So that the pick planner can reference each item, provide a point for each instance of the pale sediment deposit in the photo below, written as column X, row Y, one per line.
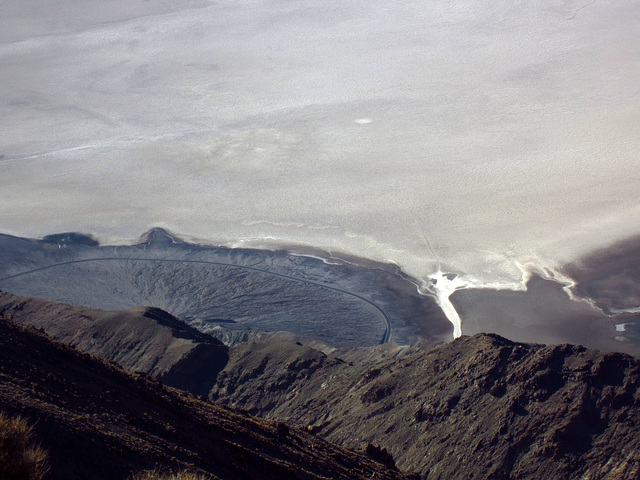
column 457, row 136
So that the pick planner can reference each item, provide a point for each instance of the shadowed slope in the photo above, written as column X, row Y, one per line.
column 98, row 421
column 480, row 407
column 141, row 339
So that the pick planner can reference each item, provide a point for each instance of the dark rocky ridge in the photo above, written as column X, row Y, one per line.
column 479, row 407
column 98, row 421
column 141, row 339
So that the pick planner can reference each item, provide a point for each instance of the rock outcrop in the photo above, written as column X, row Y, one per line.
column 479, row 407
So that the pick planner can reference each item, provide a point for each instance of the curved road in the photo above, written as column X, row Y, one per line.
column 385, row 337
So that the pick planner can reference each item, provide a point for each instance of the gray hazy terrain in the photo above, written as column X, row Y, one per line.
column 482, row 139
column 544, row 313
column 341, row 302
column 256, row 294
column 599, row 309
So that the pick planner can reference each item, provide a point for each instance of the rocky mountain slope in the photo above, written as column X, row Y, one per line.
column 98, row 421
column 140, row 339
column 479, row 407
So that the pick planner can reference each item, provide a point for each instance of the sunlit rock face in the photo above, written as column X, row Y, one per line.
column 444, row 136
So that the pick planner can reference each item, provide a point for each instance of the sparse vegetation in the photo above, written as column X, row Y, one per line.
column 21, row 457
column 160, row 475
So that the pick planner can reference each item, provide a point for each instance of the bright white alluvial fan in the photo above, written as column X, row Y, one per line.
column 462, row 136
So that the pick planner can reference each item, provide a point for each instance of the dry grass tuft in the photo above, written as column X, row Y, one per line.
column 21, row 458
column 159, row 475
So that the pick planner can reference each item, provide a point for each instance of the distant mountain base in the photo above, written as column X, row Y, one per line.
column 340, row 301
column 343, row 302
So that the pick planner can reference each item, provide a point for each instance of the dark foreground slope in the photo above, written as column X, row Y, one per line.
column 479, row 407
column 140, row 339
column 98, row 421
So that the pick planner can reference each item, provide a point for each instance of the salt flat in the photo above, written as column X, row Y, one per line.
column 485, row 140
